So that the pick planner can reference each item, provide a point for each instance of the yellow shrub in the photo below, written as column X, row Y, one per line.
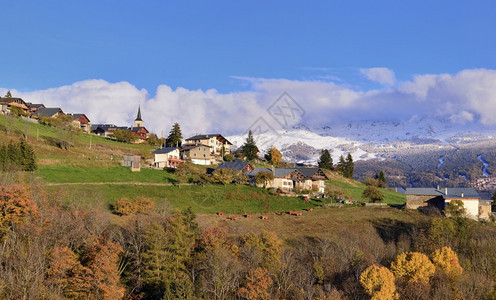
column 413, row 266
column 378, row 282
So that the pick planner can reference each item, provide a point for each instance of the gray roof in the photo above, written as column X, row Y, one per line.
column 47, row 111
column 255, row 171
column 236, row 165
column 164, row 150
column 444, row 192
column 189, row 147
column 308, row 171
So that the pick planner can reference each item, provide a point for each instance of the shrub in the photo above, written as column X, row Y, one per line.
column 413, row 266
column 124, row 206
column 378, row 282
column 373, row 194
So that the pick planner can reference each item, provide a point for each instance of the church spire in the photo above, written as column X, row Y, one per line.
column 138, row 117
column 138, row 122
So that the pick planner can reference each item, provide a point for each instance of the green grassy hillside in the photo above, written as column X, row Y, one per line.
column 84, row 166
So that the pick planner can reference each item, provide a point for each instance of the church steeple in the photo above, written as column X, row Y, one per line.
column 138, row 122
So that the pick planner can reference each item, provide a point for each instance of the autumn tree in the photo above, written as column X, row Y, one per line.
column 413, row 266
column 154, row 140
column 325, row 160
column 446, row 260
column 268, row 247
column 257, row 285
column 378, row 282
column 66, row 275
column 15, row 206
column 373, row 194
column 175, row 137
column 274, row 156
column 102, row 258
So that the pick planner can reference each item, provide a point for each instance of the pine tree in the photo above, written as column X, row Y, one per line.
column 250, row 149
column 349, row 166
column 4, row 158
column 28, row 162
column 175, row 137
column 342, row 165
column 325, row 160
column 15, row 156
column 8, row 95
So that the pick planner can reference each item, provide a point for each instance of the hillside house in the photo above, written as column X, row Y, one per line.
column 106, row 130
column 168, row 157
column 81, row 121
column 7, row 102
column 50, row 112
column 418, row 198
column 219, row 145
column 32, row 107
column 197, row 154
column 141, row 133
column 288, row 179
column 236, row 166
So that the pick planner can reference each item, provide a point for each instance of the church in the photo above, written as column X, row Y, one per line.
column 138, row 130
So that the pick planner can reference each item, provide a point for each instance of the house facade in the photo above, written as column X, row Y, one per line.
column 418, row 198
column 168, row 157
column 81, row 121
column 219, row 145
column 7, row 102
column 198, row 154
column 288, row 179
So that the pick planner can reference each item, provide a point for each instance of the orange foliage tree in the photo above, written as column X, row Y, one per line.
column 102, row 258
column 413, row 266
column 257, row 285
column 15, row 206
column 446, row 260
column 378, row 282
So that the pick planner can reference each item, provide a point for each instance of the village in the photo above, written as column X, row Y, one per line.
column 215, row 150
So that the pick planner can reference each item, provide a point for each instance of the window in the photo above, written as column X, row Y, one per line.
column 204, row 149
column 204, row 155
column 194, row 154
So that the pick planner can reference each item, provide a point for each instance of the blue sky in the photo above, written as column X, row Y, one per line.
column 222, row 63
column 202, row 44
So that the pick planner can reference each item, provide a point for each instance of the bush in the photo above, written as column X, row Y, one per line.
column 373, row 194
column 125, row 206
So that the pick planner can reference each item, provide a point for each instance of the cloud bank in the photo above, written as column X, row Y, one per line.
column 465, row 97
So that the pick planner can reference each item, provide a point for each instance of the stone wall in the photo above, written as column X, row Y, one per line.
column 416, row 201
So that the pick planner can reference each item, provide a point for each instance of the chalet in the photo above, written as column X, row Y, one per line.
column 141, row 133
column 168, row 157
column 32, row 107
column 198, row 154
column 50, row 112
column 236, row 166
column 219, row 145
column 7, row 102
column 81, row 121
column 418, row 198
column 106, row 130
column 311, row 179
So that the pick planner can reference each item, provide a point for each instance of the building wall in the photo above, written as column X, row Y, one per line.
column 161, row 160
column 470, row 205
column 485, row 211
column 416, row 201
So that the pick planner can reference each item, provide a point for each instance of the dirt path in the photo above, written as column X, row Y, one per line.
column 116, row 183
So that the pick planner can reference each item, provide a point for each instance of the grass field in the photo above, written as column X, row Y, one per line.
column 236, row 199
column 113, row 173
column 332, row 223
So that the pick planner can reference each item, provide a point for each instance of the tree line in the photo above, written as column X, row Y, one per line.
column 18, row 156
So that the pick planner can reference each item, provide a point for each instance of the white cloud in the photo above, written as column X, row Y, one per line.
column 468, row 96
column 381, row 75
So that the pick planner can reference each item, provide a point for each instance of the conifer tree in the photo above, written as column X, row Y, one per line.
column 8, row 95
column 325, row 160
column 175, row 136
column 250, row 149
column 28, row 162
column 349, row 166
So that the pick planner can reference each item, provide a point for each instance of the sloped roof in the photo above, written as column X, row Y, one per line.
column 138, row 117
column 164, row 150
column 236, row 165
column 34, row 105
column 76, row 116
column 444, row 192
column 255, row 171
column 47, row 111
column 136, row 129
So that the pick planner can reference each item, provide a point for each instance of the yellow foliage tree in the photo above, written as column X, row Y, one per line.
column 257, row 286
column 275, row 156
column 413, row 266
column 446, row 260
column 378, row 282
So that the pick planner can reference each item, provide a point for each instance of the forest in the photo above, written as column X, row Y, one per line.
column 57, row 248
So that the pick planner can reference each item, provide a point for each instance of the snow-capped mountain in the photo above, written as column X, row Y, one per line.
column 362, row 138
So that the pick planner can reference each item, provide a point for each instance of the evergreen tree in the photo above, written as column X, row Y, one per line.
column 4, row 158
column 28, row 161
column 325, row 160
column 15, row 156
column 342, row 165
column 349, row 166
column 382, row 178
column 250, row 149
column 175, row 136
column 8, row 95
